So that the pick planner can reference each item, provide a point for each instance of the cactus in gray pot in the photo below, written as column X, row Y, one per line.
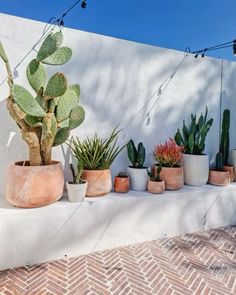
column 194, row 137
column 45, row 118
column 136, row 155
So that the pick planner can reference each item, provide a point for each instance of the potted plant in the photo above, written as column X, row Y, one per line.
column 195, row 162
column 45, row 120
column 137, row 172
column 169, row 157
column 96, row 155
column 155, row 184
column 218, row 175
column 76, row 189
column 121, row 183
column 224, row 144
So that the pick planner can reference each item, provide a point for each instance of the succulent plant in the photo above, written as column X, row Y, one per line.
column 46, row 118
column 219, row 162
column 224, row 139
column 193, row 138
column 152, row 175
column 136, row 156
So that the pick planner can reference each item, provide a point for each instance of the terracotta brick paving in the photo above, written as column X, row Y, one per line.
column 199, row 263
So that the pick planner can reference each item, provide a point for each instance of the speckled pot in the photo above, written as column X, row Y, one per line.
column 221, row 178
column 155, row 187
column 99, row 182
column 34, row 186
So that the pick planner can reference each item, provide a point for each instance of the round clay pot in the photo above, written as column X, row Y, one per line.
column 221, row 178
column 196, row 169
column 173, row 177
column 230, row 168
column 34, row 186
column 121, row 184
column 138, row 178
column 99, row 182
column 155, row 187
column 76, row 191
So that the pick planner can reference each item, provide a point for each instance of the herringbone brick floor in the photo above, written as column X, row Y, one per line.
column 199, row 263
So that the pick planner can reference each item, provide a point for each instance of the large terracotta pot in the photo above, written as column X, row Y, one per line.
column 221, row 178
column 196, row 169
column 138, row 178
column 99, row 182
column 172, row 176
column 34, row 186
column 121, row 184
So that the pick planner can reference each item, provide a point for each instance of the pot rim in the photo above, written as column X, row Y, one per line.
column 139, row 168
column 71, row 183
column 196, row 155
column 96, row 170
column 20, row 164
column 161, row 181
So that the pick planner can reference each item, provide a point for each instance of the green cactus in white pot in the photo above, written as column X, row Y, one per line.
column 45, row 118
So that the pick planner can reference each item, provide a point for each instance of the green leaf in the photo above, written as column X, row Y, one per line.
column 27, row 102
column 65, row 104
column 77, row 116
column 56, row 86
column 59, row 57
column 50, row 45
column 76, row 89
column 37, row 75
column 33, row 121
column 3, row 53
column 61, row 136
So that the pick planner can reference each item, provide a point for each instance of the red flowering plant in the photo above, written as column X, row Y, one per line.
column 168, row 154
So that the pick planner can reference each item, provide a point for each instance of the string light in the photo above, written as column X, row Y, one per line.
column 202, row 52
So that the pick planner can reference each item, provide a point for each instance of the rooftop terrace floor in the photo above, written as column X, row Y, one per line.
column 198, row 263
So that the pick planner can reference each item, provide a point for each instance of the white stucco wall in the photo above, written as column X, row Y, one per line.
column 118, row 79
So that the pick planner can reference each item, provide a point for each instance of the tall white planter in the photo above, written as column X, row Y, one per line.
column 196, row 169
column 232, row 159
column 138, row 178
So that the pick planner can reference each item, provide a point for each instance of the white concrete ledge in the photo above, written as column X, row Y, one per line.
column 64, row 229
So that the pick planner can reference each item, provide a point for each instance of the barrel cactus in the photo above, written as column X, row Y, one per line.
column 45, row 118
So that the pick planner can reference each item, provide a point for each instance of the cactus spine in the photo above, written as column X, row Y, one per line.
column 136, row 156
column 45, row 119
column 194, row 137
column 224, row 140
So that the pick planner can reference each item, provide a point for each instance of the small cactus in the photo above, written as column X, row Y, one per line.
column 45, row 119
column 136, row 156
column 224, row 140
column 219, row 162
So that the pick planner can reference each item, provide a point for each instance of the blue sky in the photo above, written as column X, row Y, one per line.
column 173, row 24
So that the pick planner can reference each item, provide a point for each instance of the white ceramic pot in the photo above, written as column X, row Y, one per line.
column 138, row 178
column 196, row 169
column 76, row 192
column 232, row 159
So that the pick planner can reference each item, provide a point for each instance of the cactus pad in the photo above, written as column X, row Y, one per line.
column 76, row 89
column 37, row 75
column 3, row 54
column 33, row 121
column 65, row 104
column 27, row 102
column 56, row 86
column 77, row 116
column 59, row 57
column 65, row 123
column 50, row 45
column 61, row 136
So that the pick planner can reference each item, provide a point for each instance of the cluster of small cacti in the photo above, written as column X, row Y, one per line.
column 136, row 155
column 193, row 138
column 46, row 118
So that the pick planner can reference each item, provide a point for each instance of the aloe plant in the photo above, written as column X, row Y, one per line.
column 45, row 118
column 96, row 153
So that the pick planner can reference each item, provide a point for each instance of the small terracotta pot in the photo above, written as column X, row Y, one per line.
column 99, row 182
column 121, row 184
column 230, row 168
column 221, row 178
column 173, row 177
column 34, row 186
column 155, row 187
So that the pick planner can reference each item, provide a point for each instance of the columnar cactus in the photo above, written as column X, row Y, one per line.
column 224, row 140
column 136, row 156
column 46, row 118
column 193, row 138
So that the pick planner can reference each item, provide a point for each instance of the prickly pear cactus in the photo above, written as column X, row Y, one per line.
column 46, row 118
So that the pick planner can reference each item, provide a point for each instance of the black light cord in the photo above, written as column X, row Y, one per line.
column 216, row 47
